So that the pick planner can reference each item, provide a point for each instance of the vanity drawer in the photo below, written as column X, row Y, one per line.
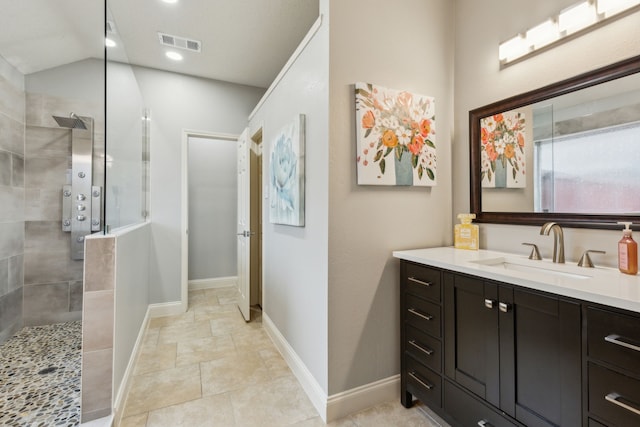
column 423, row 383
column 423, row 314
column 614, row 397
column 469, row 411
column 614, row 338
column 422, row 281
column 423, row 348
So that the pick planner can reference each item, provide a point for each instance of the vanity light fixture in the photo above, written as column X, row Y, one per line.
column 174, row 55
column 574, row 19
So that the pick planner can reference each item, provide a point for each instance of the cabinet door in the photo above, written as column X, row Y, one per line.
column 540, row 336
column 471, row 335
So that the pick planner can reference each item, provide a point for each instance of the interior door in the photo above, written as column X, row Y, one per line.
column 243, row 225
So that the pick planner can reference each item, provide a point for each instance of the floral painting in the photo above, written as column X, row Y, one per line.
column 395, row 135
column 503, row 150
column 286, row 175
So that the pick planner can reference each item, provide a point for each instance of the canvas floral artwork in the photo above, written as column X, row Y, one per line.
column 395, row 134
column 503, row 150
column 286, row 174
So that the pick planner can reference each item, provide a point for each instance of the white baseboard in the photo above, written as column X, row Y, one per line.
column 213, row 283
column 340, row 405
column 337, row 405
column 314, row 391
column 166, row 309
column 125, row 385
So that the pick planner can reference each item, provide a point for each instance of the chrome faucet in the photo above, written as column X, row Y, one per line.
column 558, row 240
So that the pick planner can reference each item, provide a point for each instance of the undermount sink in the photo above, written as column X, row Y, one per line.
column 532, row 267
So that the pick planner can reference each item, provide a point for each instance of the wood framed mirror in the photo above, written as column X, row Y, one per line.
column 568, row 152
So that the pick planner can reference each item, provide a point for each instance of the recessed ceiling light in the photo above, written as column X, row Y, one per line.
column 109, row 43
column 174, row 55
column 170, row 1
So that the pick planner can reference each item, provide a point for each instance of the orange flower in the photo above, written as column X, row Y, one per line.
column 389, row 138
column 405, row 98
column 498, row 118
column 368, row 120
column 520, row 140
column 491, row 153
column 485, row 135
column 416, row 144
column 425, row 127
column 509, row 152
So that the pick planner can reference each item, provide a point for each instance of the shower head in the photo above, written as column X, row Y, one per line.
column 71, row 122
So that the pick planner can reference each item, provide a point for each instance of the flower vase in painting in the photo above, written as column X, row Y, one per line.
column 395, row 134
column 502, row 149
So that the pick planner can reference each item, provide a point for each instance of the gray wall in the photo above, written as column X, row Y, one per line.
column 53, row 281
column 180, row 102
column 213, row 201
column 295, row 258
column 12, row 110
column 366, row 223
column 479, row 81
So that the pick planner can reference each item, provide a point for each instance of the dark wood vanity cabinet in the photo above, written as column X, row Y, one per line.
column 510, row 357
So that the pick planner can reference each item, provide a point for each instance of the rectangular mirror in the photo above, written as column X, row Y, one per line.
column 566, row 152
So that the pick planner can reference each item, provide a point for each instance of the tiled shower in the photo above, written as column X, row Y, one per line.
column 39, row 282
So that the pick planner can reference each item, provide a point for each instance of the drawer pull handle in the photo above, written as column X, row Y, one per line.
column 615, row 399
column 420, row 282
column 423, row 316
column 428, row 351
column 489, row 303
column 424, row 384
column 484, row 423
column 504, row 307
column 616, row 339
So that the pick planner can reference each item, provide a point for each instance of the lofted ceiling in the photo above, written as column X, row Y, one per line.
column 243, row 41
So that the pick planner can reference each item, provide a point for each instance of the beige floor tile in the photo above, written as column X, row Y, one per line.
column 229, row 291
column 317, row 422
column 392, row 414
column 159, row 389
column 134, row 421
column 274, row 362
column 158, row 322
column 150, row 339
column 158, row 358
column 204, row 349
column 278, row 402
column 223, row 323
column 227, row 300
column 211, row 311
column 252, row 338
column 184, row 332
column 210, row 411
column 232, row 372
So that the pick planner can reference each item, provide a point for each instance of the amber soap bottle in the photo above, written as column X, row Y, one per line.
column 627, row 251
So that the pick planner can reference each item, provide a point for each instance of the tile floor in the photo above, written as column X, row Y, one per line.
column 40, row 376
column 208, row 367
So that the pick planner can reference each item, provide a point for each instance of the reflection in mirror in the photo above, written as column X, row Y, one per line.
column 559, row 152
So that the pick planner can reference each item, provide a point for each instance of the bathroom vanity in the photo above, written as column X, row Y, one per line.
column 493, row 339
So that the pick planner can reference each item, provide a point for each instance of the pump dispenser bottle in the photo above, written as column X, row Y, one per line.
column 627, row 251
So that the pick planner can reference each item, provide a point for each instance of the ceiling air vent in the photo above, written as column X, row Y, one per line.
column 180, row 42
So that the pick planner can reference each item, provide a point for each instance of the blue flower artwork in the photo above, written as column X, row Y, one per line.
column 286, row 175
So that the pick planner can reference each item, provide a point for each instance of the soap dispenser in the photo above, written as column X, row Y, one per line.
column 627, row 251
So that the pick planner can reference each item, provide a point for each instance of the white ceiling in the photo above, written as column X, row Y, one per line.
column 243, row 41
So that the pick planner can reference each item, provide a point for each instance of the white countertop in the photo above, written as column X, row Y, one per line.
column 600, row 285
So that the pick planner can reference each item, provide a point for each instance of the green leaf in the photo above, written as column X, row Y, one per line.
column 414, row 161
column 379, row 144
column 429, row 143
column 399, row 148
column 383, row 165
column 430, row 174
column 420, row 173
column 513, row 173
column 370, row 86
column 378, row 156
column 489, row 175
column 367, row 133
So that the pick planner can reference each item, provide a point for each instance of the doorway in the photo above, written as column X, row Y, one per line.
column 256, row 218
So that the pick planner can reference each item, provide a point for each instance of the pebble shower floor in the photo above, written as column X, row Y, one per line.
column 40, row 376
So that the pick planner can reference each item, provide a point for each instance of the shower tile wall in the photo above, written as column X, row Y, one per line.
column 12, row 112
column 52, row 280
